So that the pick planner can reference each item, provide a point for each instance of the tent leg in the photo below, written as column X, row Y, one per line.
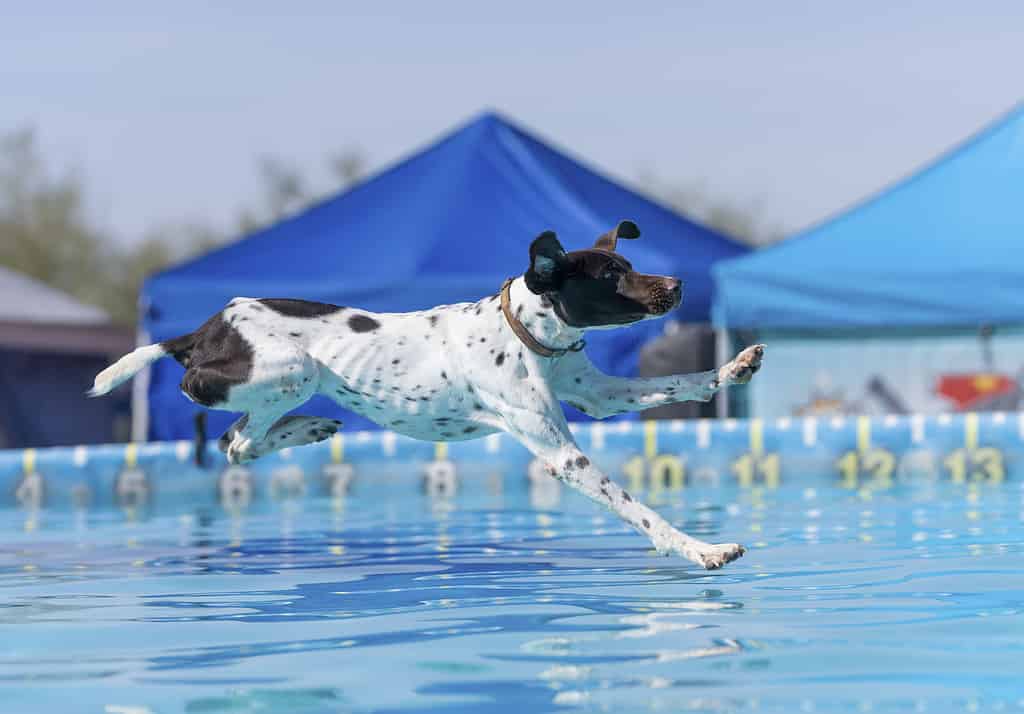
column 723, row 353
column 140, row 396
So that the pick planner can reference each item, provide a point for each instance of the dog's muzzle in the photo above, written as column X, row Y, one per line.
column 665, row 295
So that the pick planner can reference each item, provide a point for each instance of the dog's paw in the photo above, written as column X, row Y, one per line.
column 718, row 555
column 743, row 367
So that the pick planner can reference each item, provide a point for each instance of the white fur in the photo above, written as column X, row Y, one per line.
column 125, row 368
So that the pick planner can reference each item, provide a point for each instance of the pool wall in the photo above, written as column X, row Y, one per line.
column 852, row 452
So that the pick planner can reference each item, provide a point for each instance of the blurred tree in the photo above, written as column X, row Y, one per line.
column 45, row 231
column 694, row 200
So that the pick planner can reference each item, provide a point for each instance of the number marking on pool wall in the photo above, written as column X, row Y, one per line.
column 974, row 462
column 861, row 453
column 874, row 462
column 756, row 462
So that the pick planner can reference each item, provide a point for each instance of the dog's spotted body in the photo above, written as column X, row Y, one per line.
column 452, row 372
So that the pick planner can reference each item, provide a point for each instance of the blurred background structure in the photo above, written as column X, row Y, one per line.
column 908, row 302
column 50, row 348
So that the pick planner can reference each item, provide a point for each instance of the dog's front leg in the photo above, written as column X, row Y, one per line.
column 599, row 395
column 548, row 437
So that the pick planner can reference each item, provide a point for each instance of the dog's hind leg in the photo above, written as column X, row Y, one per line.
column 548, row 437
column 297, row 430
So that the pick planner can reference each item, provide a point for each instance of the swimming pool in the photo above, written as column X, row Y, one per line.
column 865, row 590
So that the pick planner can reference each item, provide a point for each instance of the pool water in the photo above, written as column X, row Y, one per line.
column 908, row 599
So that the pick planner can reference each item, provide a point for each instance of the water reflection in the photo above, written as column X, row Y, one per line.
column 445, row 603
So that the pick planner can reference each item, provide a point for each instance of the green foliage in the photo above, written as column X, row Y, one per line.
column 46, row 233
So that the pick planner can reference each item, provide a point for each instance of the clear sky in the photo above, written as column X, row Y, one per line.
column 801, row 107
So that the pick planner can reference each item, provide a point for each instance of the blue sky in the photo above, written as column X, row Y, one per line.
column 798, row 107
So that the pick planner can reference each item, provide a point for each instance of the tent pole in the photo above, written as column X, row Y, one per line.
column 140, row 396
column 723, row 348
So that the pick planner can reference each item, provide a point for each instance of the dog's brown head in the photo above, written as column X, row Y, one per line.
column 597, row 287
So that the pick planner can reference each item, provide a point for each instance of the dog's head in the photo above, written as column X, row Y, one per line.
column 597, row 287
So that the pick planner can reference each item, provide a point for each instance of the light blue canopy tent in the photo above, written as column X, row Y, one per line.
column 942, row 248
column 448, row 224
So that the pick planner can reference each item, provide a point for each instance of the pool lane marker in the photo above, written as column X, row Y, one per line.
column 28, row 461
column 756, row 437
column 917, row 428
column 131, row 455
column 440, row 451
column 971, row 431
column 863, row 433
column 337, row 448
column 388, row 442
column 650, row 439
column 810, row 429
column 703, row 433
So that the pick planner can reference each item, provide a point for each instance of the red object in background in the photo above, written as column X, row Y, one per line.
column 968, row 389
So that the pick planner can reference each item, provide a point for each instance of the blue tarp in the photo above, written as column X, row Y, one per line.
column 448, row 224
column 944, row 247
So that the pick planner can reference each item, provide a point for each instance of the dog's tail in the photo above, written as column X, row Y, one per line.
column 125, row 368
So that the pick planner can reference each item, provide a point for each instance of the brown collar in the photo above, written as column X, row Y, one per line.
column 524, row 335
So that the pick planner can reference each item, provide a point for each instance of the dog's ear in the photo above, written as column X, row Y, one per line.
column 547, row 264
column 625, row 229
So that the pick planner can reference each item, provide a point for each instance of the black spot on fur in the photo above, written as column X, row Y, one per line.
column 447, row 434
column 499, row 359
column 470, row 429
column 578, row 380
column 483, row 339
column 582, row 461
column 295, row 334
column 395, row 361
column 444, row 375
column 605, row 480
column 362, row 323
column 433, row 320
column 569, row 465
column 647, row 523
column 299, row 308
column 626, row 497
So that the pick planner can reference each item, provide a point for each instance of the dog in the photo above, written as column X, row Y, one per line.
column 453, row 372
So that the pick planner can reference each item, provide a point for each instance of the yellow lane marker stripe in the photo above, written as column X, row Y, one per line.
column 971, row 431
column 863, row 433
column 650, row 439
column 131, row 455
column 337, row 448
column 756, row 436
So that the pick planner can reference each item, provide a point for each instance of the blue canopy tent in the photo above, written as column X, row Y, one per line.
column 941, row 248
column 448, row 224
column 878, row 309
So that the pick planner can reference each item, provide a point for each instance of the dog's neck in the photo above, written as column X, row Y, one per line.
column 538, row 316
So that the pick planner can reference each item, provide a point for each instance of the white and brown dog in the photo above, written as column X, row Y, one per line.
column 450, row 373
